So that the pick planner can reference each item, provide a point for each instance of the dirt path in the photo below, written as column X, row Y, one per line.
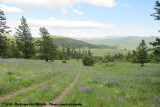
column 64, row 92
column 26, row 89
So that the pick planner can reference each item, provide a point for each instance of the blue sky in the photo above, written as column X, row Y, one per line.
column 84, row 18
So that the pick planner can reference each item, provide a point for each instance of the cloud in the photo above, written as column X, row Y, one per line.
column 53, row 22
column 63, row 27
column 77, row 12
column 8, row 9
column 59, row 3
column 126, row 5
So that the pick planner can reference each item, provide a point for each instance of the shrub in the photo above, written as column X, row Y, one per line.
column 64, row 61
column 88, row 61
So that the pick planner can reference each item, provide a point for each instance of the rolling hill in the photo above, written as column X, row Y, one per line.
column 130, row 42
column 72, row 43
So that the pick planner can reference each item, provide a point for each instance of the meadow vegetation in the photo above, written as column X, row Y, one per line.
column 36, row 70
column 114, row 84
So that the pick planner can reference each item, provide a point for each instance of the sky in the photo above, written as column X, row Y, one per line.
column 84, row 18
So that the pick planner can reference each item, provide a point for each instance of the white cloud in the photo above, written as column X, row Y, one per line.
column 77, row 12
column 126, row 5
column 64, row 27
column 59, row 3
column 6, row 8
column 53, row 22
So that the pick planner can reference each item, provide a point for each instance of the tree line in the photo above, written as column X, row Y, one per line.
column 25, row 46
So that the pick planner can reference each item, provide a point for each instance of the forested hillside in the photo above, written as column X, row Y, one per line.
column 72, row 43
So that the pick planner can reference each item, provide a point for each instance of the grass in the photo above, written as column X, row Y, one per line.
column 103, row 52
column 119, row 84
column 18, row 73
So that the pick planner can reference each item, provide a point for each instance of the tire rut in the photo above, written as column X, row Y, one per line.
column 64, row 92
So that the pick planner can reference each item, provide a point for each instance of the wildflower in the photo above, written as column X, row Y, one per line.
column 47, row 87
column 85, row 88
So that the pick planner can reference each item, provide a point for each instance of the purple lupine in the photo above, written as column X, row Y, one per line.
column 47, row 87
column 27, row 97
column 52, row 73
column 95, row 80
column 85, row 88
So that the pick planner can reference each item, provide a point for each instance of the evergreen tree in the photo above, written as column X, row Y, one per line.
column 68, row 52
column 89, row 53
column 157, row 42
column 24, row 39
column 134, row 56
column 3, row 39
column 74, row 53
column 156, row 52
column 14, row 50
column 47, row 46
column 142, row 56
column 157, row 9
column 79, row 54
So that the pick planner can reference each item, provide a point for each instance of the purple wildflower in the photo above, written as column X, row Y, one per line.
column 47, row 87
column 85, row 88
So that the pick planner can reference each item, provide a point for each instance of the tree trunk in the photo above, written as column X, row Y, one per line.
column 142, row 64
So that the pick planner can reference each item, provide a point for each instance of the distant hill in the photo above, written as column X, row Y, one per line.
column 72, row 43
column 130, row 42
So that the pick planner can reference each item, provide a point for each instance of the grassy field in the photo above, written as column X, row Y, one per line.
column 103, row 52
column 103, row 85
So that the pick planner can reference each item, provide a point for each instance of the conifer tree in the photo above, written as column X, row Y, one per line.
column 68, row 52
column 157, row 9
column 156, row 52
column 24, row 39
column 47, row 46
column 142, row 56
column 156, row 44
column 89, row 53
column 3, row 39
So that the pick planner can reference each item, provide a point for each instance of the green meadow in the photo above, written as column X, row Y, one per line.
column 116, row 84
column 103, row 52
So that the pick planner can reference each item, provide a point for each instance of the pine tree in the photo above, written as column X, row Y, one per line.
column 3, row 39
column 156, row 44
column 89, row 53
column 68, row 52
column 14, row 50
column 24, row 39
column 142, row 56
column 157, row 9
column 48, row 48
column 156, row 52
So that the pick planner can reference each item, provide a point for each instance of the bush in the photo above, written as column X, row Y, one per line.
column 64, row 61
column 88, row 61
